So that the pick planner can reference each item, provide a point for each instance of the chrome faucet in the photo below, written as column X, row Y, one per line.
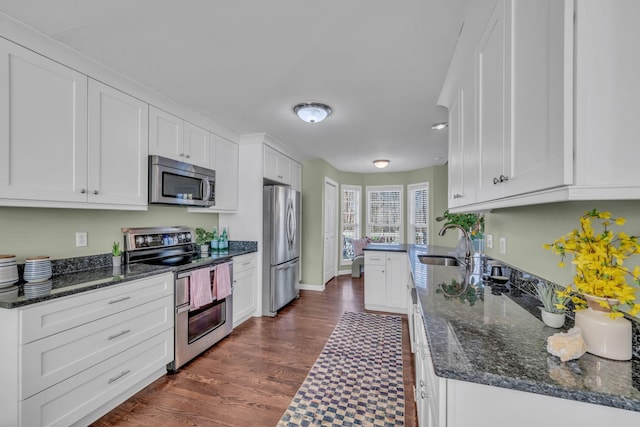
column 467, row 240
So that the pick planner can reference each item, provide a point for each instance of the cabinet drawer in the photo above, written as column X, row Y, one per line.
column 80, row 395
column 53, row 359
column 374, row 258
column 243, row 263
column 41, row 320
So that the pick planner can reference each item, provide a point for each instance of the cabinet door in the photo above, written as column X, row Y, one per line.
column 226, row 167
column 296, row 176
column 244, row 288
column 396, row 281
column 375, row 284
column 468, row 139
column 43, row 128
column 541, row 96
column 118, row 146
column 166, row 133
column 197, row 142
column 455, row 157
column 491, row 106
column 270, row 163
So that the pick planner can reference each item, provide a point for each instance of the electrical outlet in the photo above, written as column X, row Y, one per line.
column 489, row 241
column 81, row 239
column 503, row 245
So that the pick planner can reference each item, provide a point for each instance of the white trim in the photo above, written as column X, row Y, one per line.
column 307, row 287
column 357, row 188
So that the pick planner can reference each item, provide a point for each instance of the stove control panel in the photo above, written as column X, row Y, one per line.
column 156, row 237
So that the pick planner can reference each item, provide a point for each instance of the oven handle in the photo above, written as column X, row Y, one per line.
column 188, row 273
column 183, row 309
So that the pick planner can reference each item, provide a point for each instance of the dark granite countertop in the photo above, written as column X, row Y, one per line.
column 74, row 282
column 490, row 339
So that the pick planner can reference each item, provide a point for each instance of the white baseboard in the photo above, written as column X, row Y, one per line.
column 306, row 287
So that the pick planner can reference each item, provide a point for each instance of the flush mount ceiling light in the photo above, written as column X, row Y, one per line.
column 381, row 163
column 312, row 112
column 440, row 126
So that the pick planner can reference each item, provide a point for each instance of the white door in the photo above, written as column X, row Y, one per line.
column 330, row 229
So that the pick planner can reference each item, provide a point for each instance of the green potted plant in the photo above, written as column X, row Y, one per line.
column 116, row 254
column 472, row 222
column 203, row 237
column 553, row 304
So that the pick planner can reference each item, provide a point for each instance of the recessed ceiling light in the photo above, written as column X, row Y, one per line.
column 312, row 112
column 381, row 163
column 440, row 126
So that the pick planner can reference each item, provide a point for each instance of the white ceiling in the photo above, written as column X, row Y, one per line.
column 379, row 64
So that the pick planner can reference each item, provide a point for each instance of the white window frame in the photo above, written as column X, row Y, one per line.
column 358, row 223
column 411, row 214
column 400, row 189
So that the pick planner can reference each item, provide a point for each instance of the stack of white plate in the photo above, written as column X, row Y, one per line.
column 37, row 269
column 8, row 270
column 35, row 290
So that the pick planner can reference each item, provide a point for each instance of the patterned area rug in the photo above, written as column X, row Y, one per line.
column 357, row 379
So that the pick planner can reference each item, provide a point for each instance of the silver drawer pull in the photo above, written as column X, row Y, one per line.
column 115, row 301
column 246, row 263
column 117, row 377
column 422, row 384
column 424, row 395
column 119, row 334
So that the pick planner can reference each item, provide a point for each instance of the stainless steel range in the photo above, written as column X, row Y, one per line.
column 196, row 329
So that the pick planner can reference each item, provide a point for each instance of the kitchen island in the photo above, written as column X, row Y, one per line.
column 489, row 358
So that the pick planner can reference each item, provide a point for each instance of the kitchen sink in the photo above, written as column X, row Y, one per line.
column 439, row 260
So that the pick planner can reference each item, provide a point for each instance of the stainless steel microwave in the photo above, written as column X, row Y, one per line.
column 172, row 182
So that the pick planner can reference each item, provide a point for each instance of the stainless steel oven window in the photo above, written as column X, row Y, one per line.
column 206, row 319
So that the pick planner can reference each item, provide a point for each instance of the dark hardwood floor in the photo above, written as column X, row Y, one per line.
column 249, row 378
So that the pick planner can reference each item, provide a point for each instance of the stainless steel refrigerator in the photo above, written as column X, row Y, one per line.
column 281, row 247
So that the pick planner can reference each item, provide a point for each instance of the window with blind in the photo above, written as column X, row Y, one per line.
column 384, row 214
column 418, row 207
column 350, row 218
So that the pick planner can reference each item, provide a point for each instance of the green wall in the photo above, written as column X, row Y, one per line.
column 43, row 231
column 527, row 228
column 313, row 175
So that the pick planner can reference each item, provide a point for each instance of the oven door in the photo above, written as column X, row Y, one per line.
column 197, row 330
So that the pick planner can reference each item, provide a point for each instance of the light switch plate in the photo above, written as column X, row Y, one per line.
column 81, row 239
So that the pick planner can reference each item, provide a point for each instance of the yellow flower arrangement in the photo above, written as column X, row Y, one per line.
column 599, row 258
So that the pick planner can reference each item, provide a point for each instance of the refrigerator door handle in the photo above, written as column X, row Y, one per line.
column 291, row 224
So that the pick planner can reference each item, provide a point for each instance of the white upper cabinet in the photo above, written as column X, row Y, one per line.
column 225, row 162
column 541, row 95
column 68, row 141
column 166, row 134
column 456, row 155
column 607, row 84
column 43, row 128
column 175, row 138
column 197, row 145
column 118, row 146
column 494, row 152
column 282, row 169
column 555, row 101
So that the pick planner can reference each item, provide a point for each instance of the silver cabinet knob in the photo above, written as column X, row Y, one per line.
column 83, row 190
column 95, row 191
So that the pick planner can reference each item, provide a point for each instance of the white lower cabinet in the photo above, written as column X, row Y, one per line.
column 80, row 356
column 245, row 287
column 386, row 275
